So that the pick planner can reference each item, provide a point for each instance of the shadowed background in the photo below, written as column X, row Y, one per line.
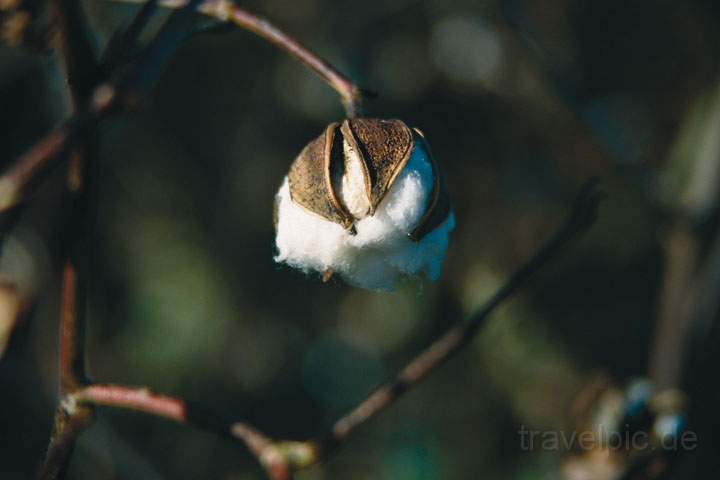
column 521, row 101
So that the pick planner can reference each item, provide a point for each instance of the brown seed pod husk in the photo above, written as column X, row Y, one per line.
column 439, row 206
column 310, row 178
column 384, row 148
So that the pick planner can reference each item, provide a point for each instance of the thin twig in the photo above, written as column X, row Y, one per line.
column 72, row 418
column 273, row 456
column 40, row 157
column 282, row 458
column 105, row 98
column 453, row 340
column 76, row 50
column 82, row 70
column 70, row 421
column 72, row 358
column 123, row 44
column 226, row 11
column 118, row 89
column 350, row 94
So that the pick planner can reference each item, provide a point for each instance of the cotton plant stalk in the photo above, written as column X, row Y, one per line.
column 365, row 201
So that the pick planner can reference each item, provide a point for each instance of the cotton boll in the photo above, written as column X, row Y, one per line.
column 377, row 251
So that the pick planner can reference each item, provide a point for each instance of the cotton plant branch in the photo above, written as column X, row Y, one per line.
column 82, row 71
column 282, row 458
column 118, row 86
column 581, row 218
column 227, row 11
column 38, row 159
column 107, row 97
column 76, row 49
column 80, row 67
column 71, row 419
column 278, row 458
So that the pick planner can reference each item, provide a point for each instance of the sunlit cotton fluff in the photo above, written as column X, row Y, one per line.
column 380, row 255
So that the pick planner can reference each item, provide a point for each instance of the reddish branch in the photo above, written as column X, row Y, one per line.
column 279, row 459
column 350, row 94
column 72, row 358
column 227, row 11
column 28, row 167
column 15, row 181
column 25, row 168
column 134, row 399
column 81, row 69
column 70, row 422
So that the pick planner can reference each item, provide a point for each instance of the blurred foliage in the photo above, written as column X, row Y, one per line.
column 521, row 100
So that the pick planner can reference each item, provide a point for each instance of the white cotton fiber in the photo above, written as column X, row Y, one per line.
column 381, row 254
